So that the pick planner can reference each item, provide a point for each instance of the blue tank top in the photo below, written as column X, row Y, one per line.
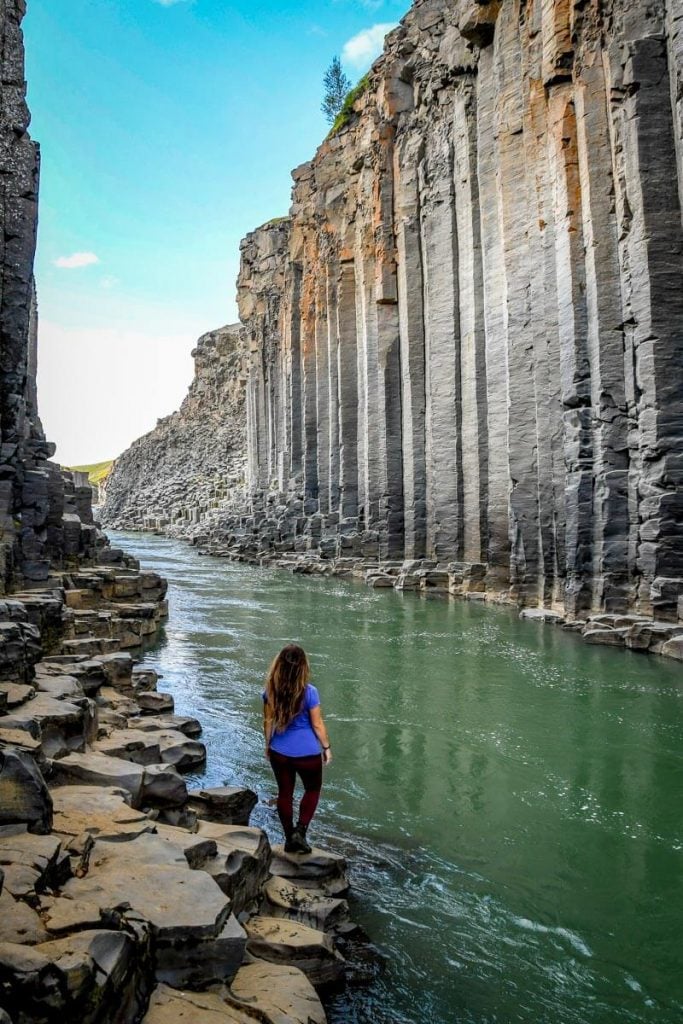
column 298, row 739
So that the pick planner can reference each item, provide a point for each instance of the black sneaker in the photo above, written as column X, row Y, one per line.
column 297, row 842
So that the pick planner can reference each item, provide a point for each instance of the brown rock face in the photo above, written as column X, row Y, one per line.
column 466, row 342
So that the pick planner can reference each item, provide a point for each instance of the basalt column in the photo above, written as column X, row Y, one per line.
column 486, row 257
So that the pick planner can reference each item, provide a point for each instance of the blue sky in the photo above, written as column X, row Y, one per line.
column 168, row 130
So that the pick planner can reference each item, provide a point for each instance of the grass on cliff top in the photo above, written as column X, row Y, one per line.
column 97, row 471
column 344, row 115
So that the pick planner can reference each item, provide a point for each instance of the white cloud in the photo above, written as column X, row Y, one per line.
column 76, row 260
column 109, row 281
column 360, row 51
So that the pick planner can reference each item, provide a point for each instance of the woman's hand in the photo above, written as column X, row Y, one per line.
column 327, row 756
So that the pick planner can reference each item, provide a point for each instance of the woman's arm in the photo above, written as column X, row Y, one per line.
column 267, row 729
column 321, row 732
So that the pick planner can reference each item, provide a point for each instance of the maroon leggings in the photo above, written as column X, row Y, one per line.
column 286, row 769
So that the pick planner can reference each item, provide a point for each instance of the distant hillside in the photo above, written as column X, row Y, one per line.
column 97, row 471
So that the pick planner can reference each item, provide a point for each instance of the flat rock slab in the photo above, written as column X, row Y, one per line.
column 19, row 923
column 296, row 945
column 153, row 878
column 17, row 693
column 75, row 978
column 168, row 1006
column 320, row 870
column 60, row 687
column 211, row 961
column 61, row 916
column 103, row 812
column 283, row 994
column 285, row 899
column 131, row 745
column 155, row 785
column 226, row 805
column 180, row 723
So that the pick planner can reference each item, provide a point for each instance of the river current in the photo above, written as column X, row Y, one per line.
column 509, row 798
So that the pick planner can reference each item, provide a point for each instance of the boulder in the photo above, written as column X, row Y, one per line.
column 283, row 994
column 296, row 945
column 226, row 805
column 673, row 648
column 24, row 796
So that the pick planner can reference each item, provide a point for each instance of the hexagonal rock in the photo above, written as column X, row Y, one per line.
column 326, row 872
column 285, row 899
column 156, row 785
column 283, row 994
column 197, row 940
column 24, row 796
column 287, row 942
column 226, row 805
column 75, row 979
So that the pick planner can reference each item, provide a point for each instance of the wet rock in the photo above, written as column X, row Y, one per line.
column 226, row 805
column 24, row 796
column 296, row 945
column 285, row 899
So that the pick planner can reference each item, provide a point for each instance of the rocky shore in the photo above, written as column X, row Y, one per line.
column 124, row 896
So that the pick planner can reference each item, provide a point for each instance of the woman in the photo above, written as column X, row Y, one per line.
column 296, row 741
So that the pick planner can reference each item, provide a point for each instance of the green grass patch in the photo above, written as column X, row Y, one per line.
column 344, row 115
column 97, row 471
column 275, row 221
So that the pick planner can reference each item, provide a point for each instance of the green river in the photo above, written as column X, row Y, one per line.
column 509, row 798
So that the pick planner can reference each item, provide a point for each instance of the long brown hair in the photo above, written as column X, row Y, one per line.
column 285, row 686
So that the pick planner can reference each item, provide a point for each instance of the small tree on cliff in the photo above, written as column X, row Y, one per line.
column 336, row 87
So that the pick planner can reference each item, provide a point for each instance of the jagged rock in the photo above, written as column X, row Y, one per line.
column 77, row 978
column 197, row 940
column 283, row 994
column 24, row 796
column 241, row 863
column 285, row 899
column 319, row 870
column 62, row 725
column 296, row 945
column 31, row 863
column 226, row 805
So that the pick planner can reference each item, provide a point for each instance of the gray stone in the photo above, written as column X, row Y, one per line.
column 288, row 942
column 24, row 796
column 225, row 805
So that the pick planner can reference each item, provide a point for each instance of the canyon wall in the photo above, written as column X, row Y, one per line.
column 193, row 462
column 466, row 342
column 45, row 519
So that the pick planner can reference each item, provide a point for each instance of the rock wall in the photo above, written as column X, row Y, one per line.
column 466, row 343
column 45, row 520
column 193, row 462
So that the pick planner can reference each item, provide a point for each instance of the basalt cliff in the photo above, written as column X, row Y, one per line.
column 467, row 340
column 194, row 460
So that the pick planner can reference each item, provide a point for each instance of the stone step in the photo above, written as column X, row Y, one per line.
column 296, row 945
column 16, row 694
column 31, row 863
column 103, row 812
column 285, row 899
column 61, row 725
column 241, row 865
column 149, row 723
column 318, row 870
column 91, row 646
column 283, row 994
column 225, row 805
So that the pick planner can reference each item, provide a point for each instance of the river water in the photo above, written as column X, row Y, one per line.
column 510, row 799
